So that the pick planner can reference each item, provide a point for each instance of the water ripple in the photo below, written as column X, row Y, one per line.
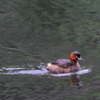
column 42, row 71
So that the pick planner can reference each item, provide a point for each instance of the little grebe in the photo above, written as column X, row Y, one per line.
column 65, row 65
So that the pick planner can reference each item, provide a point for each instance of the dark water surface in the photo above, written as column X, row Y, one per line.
column 34, row 31
column 33, row 84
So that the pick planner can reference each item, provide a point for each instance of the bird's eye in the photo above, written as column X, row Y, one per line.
column 78, row 55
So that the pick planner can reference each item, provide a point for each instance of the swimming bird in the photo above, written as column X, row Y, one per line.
column 66, row 65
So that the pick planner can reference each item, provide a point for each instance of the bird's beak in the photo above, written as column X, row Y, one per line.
column 80, row 59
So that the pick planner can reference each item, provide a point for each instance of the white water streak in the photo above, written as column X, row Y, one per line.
column 43, row 71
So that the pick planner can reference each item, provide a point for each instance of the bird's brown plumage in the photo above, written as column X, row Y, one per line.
column 65, row 65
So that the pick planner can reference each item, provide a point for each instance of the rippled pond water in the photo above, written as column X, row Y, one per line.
column 41, row 71
column 38, row 84
column 32, row 31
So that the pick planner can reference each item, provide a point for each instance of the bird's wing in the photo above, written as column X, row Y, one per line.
column 65, row 63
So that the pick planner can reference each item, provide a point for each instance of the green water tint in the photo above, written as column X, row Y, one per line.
column 38, row 84
column 23, row 87
column 45, row 30
column 34, row 31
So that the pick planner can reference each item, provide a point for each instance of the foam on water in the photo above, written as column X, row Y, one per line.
column 12, row 71
column 34, row 72
column 81, row 71
column 41, row 71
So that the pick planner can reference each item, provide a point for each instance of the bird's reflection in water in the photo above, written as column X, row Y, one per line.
column 74, row 81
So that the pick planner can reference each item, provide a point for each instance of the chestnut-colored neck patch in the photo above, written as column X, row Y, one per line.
column 72, row 56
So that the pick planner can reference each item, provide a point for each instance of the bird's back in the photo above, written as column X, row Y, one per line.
column 65, row 63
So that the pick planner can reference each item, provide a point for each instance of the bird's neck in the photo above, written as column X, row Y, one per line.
column 74, row 62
